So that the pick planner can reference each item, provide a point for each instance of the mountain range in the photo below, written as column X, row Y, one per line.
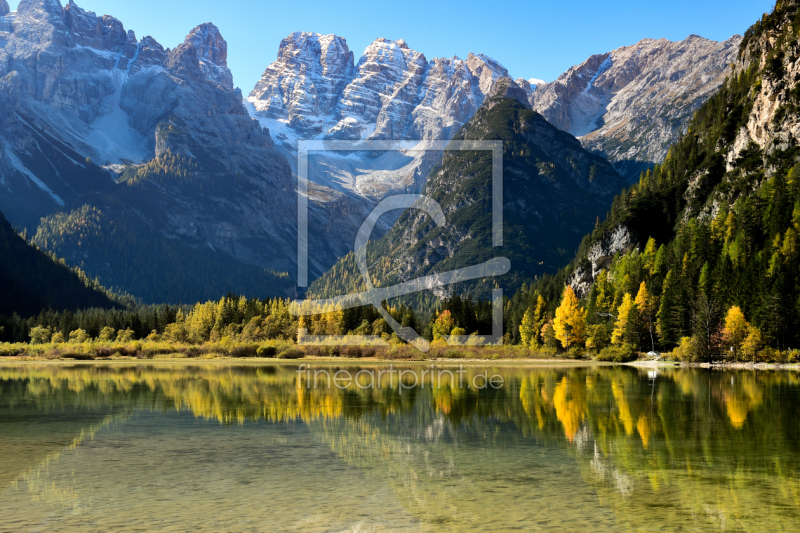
column 144, row 165
column 631, row 104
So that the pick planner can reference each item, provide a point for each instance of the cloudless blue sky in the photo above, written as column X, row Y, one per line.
column 537, row 38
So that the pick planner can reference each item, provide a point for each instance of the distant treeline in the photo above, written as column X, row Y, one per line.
column 237, row 318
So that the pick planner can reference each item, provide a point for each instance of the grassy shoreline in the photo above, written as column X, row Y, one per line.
column 287, row 351
column 364, row 361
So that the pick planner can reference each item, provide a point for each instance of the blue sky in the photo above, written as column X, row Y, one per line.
column 532, row 39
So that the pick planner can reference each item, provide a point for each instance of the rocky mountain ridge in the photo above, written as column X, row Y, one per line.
column 316, row 90
column 745, row 159
column 161, row 142
column 628, row 105
column 393, row 92
column 632, row 103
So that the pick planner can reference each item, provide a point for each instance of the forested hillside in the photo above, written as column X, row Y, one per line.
column 31, row 281
column 702, row 252
column 553, row 191
column 109, row 237
column 153, row 268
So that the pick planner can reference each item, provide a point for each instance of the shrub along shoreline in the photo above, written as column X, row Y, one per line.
column 104, row 350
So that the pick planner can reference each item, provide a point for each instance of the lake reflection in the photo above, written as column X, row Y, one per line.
column 259, row 448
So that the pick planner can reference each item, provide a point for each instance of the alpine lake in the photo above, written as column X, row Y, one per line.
column 483, row 447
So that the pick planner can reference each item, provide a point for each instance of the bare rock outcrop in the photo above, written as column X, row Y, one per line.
column 600, row 257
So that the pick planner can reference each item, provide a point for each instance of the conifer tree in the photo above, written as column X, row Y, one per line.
column 667, row 323
column 527, row 329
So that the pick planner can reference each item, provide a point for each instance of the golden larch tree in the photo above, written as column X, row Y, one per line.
column 645, row 304
column 625, row 316
column 570, row 321
column 736, row 329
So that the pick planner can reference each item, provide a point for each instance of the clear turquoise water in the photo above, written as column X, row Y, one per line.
column 254, row 448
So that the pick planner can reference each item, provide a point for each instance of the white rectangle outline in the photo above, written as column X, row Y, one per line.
column 306, row 146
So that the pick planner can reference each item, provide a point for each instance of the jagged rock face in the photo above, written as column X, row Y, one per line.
column 147, row 54
column 773, row 124
column 632, row 103
column 4, row 9
column 487, row 70
column 600, row 257
column 212, row 54
column 449, row 100
column 201, row 58
column 100, row 33
column 508, row 88
column 209, row 44
column 306, row 81
column 55, row 66
column 393, row 92
column 387, row 82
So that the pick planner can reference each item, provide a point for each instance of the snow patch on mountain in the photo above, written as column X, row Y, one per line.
column 15, row 162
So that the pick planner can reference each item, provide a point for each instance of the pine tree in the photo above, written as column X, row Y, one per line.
column 667, row 324
column 527, row 329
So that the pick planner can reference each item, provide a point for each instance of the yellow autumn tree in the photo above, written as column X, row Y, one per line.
column 625, row 319
column 532, row 323
column 753, row 344
column 570, row 321
column 736, row 330
column 604, row 289
column 645, row 305
column 443, row 325
column 527, row 329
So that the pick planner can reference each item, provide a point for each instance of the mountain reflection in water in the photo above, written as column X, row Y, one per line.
column 605, row 448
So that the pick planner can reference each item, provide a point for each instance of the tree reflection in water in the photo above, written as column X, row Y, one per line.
column 688, row 447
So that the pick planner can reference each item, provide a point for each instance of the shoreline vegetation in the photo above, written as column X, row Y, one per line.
column 240, row 328
column 229, row 351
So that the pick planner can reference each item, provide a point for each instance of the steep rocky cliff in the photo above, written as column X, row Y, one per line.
column 314, row 90
column 393, row 92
